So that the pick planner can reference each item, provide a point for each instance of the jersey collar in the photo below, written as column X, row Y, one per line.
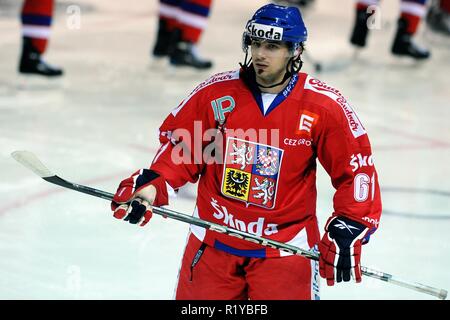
column 249, row 80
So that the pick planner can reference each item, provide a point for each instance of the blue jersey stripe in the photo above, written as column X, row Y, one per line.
column 195, row 9
column 174, row 3
column 258, row 253
column 283, row 94
column 38, row 20
column 416, row 1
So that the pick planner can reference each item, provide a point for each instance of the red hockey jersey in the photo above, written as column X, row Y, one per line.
column 256, row 170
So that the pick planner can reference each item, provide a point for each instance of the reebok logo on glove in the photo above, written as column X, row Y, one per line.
column 342, row 225
column 340, row 250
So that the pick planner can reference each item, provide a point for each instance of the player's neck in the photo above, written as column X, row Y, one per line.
column 276, row 89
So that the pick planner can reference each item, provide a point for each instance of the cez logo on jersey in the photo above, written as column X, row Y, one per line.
column 266, row 32
column 307, row 121
column 251, row 172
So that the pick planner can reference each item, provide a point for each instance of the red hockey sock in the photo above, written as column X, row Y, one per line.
column 190, row 33
column 171, row 23
column 38, row 7
column 168, row 11
column 36, row 21
column 364, row 4
column 412, row 11
column 413, row 22
column 40, row 44
column 193, row 19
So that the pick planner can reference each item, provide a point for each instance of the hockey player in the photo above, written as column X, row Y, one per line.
column 180, row 26
column 411, row 13
column 36, row 21
column 251, row 138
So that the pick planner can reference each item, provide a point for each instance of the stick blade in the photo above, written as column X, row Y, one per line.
column 443, row 294
column 29, row 160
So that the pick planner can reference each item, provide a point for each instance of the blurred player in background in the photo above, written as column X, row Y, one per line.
column 36, row 20
column 438, row 16
column 180, row 26
column 263, row 128
column 411, row 13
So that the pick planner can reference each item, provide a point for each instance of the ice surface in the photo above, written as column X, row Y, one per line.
column 99, row 124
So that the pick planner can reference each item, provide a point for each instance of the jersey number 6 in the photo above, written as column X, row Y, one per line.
column 363, row 184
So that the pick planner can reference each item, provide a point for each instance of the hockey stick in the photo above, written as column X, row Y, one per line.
column 30, row 161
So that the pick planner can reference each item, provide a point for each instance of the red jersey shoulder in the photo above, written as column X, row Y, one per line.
column 210, row 85
column 330, row 98
column 223, row 79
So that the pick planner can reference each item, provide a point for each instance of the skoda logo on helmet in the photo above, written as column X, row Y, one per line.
column 264, row 31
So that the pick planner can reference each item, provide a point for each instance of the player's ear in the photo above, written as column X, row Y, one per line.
column 298, row 51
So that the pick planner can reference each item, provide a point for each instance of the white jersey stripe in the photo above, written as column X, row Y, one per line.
column 416, row 9
column 36, row 32
column 193, row 20
column 179, row 268
column 300, row 240
column 160, row 151
column 369, row 2
column 224, row 76
column 168, row 11
column 355, row 125
column 198, row 232
column 184, row 17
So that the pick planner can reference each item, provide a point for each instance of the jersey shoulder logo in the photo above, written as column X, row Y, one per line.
column 354, row 123
column 251, row 172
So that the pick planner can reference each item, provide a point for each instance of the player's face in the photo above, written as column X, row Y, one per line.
column 269, row 60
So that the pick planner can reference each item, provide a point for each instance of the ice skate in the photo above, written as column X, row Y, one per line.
column 32, row 63
column 404, row 46
column 185, row 54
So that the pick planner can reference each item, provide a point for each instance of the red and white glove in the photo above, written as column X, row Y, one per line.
column 136, row 194
column 340, row 250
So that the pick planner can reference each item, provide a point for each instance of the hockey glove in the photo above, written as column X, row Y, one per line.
column 340, row 250
column 136, row 194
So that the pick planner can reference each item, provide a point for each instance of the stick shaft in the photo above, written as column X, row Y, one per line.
column 189, row 219
column 30, row 161
column 440, row 293
column 386, row 277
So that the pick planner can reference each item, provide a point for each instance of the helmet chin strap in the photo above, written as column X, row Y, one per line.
column 246, row 63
